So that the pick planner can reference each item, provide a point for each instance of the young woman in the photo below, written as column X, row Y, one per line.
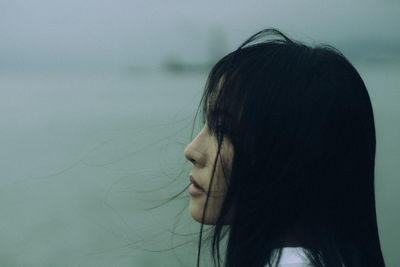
column 284, row 164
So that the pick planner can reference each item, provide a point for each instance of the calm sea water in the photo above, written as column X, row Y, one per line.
column 84, row 153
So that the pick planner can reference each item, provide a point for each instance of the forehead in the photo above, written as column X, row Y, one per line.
column 213, row 95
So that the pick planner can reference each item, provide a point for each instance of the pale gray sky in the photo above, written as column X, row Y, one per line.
column 132, row 32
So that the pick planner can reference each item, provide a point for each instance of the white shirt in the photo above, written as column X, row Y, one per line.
column 292, row 257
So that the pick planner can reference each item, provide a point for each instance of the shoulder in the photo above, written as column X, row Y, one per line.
column 293, row 257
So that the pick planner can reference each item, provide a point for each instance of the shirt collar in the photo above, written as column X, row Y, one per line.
column 292, row 255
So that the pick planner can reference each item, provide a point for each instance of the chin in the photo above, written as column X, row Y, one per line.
column 196, row 212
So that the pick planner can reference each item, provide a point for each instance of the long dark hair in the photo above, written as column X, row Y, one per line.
column 302, row 127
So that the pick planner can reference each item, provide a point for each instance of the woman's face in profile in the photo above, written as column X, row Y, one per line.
column 202, row 152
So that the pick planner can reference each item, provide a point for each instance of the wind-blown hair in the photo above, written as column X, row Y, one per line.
column 302, row 128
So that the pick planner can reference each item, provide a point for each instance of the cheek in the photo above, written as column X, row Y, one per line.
column 223, row 175
column 219, row 183
column 225, row 167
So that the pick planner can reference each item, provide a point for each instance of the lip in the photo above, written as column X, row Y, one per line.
column 193, row 181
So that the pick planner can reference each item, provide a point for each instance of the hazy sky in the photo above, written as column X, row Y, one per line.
column 145, row 32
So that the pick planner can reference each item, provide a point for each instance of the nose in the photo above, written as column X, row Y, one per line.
column 193, row 154
column 190, row 154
